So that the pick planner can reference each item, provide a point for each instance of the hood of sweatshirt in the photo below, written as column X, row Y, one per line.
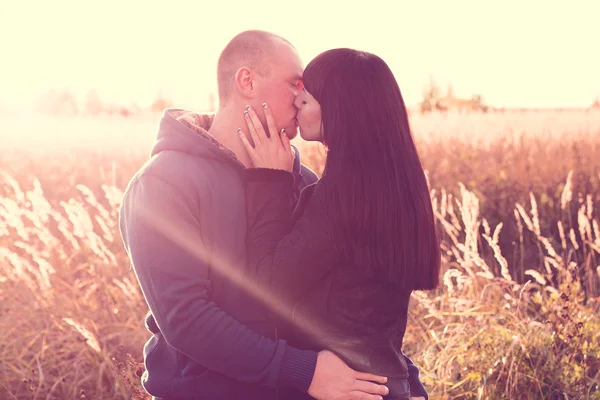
column 187, row 132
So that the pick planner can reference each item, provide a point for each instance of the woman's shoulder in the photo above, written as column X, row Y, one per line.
column 309, row 177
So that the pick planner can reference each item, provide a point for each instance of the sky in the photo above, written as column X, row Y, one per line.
column 525, row 53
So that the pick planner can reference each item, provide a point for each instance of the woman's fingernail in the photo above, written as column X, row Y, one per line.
column 239, row 130
column 247, row 107
column 264, row 105
column 246, row 113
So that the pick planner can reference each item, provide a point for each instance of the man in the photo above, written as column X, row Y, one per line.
column 183, row 223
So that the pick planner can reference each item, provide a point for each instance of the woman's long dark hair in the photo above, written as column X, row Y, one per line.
column 374, row 184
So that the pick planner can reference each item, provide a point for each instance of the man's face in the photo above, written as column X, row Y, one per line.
column 280, row 88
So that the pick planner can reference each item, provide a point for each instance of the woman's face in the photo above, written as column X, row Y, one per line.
column 309, row 116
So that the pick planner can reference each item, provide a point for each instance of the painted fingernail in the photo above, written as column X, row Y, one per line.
column 246, row 113
column 239, row 130
column 247, row 107
column 264, row 105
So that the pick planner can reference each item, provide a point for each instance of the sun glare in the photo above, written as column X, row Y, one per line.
column 532, row 54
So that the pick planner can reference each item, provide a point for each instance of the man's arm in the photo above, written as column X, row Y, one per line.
column 162, row 233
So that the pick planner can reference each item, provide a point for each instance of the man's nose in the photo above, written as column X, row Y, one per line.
column 297, row 102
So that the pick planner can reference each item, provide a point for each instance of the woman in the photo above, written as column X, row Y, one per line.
column 345, row 261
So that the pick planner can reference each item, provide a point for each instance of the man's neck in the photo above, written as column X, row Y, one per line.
column 225, row 129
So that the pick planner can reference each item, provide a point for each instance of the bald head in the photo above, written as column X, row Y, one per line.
column 252, row 49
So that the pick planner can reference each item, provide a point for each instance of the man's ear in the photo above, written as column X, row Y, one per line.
column 245, row 82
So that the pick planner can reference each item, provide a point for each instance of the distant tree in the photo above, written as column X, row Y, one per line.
column 434, row 90
column 134, row 109
column 442, row 104
column 478, row 103
column 92, row 104
column 433, row 100
column 160, row 104
column 450, row 94
column 57, row 103
column 431, row 95
column 425, row 106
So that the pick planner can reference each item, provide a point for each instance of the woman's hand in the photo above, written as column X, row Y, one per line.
column 273, row 151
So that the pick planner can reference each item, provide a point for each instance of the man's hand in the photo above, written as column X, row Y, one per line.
column 334, row 380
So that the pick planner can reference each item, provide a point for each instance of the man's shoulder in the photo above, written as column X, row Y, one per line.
column 180, row 171
column 308, row 175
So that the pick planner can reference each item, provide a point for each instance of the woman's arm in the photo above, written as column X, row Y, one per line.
column 417, row 390
column 288, row 253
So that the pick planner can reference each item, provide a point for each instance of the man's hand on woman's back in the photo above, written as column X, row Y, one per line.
column 334, row 380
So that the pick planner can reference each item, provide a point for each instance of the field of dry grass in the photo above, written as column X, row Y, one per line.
column 516, row 197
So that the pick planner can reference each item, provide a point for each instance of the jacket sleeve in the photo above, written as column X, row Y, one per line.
column 162, row 232
column 288, row 255
column 291, row 254
column 416, row 387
